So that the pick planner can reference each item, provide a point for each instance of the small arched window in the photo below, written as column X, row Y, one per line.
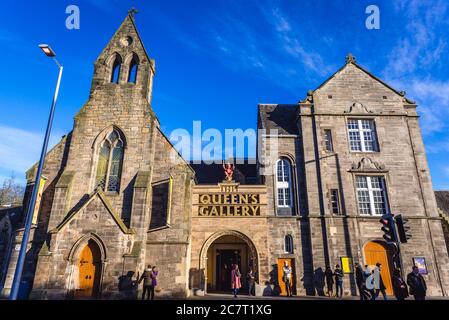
column 288, row 244
column 110, row 159
column 283, row 183
column 116, row 66
column 133, row 67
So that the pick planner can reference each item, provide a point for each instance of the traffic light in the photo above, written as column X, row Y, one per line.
column 403, row 228
column 387, row 222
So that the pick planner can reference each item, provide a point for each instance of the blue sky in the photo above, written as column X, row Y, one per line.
column 220, row 57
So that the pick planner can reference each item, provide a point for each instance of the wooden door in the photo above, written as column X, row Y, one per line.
column 89, row 271
column 376, row 252
column 291, row 263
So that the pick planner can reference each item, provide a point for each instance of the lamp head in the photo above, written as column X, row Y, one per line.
column 47, row 50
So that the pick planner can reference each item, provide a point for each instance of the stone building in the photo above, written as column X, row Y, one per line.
column 442, row 198
column 116, row 195
column 354, row 151
column 98, row 221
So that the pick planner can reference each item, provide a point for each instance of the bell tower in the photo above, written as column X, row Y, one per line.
column 124, row 65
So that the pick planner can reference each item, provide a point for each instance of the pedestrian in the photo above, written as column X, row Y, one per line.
column 329, row 275
column 338, row 281
column 399, row 286
column 360, row 281
column 417, row 284
column 251, row 278
column 235, row 280
column 146, row 277
column 287, row 277
column 380, row 286
column 369, row 285
column 154, row 273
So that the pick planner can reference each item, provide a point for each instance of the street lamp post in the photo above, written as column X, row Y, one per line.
column 29, row 216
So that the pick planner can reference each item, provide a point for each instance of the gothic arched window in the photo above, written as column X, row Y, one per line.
column 133, row 67
column 116, row 66
column 283, row 183
column 110, row 159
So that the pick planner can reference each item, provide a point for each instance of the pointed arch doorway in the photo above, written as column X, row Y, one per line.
column 89, row 271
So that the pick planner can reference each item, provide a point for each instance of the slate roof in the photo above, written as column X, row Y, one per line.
column 443, row 201
column 281, row 117
column 245, row 173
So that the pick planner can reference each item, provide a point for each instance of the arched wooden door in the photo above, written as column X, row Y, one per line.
column 377, row 252
column 89, row 271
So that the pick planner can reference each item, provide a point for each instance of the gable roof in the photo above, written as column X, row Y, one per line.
column 350, row 60
column 97, row 193
column 129, row 20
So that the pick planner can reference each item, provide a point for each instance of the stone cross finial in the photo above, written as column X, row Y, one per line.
column 350, row 58
column 132, row 12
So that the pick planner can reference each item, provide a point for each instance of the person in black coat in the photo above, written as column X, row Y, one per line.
column 399, row 286
column 329, row 275
column 417, row 284
column 360, row 280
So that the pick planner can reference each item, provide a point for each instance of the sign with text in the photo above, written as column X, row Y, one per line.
column 229, row 203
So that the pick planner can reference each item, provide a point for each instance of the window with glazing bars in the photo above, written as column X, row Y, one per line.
column 328, row 140
column 283, row 183
column 109, row 166
column 362, row 135
column 288, row 244
column 335, row 201
column 371, row 195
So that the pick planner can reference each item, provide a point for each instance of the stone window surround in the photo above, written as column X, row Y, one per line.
column 325, row 140
column 95, row 154
column 288, row 246
column 286, row 185
column 385, row 193
column 295, row 201
column 338, row 202
column 374, row 129
column 125, row 65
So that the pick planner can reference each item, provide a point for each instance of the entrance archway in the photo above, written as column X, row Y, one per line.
column 380, row 252
column 89, row 271
column 222, row 250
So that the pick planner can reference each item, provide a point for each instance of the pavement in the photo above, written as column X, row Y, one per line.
column 223, row 296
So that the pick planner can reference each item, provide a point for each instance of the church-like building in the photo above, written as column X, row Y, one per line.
column 116, row 196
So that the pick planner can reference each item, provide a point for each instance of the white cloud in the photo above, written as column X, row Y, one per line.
column 417, row 55
column 277, row 53
column 20, row 149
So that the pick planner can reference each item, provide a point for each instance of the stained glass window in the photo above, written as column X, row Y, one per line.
column 109, row 166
